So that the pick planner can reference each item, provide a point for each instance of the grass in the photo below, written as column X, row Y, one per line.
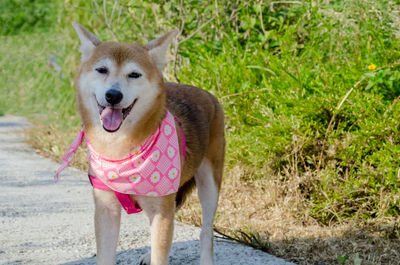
column 310, row 91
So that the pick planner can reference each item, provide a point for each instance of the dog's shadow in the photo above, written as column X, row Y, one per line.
column 188, row 252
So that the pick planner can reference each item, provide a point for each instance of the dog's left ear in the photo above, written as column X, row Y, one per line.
column 158, row 48
column 88, row 41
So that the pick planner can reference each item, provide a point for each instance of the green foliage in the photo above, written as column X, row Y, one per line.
column 356, row 260
column 385, row 83
column 343, row 259
column 281, row 71
column 18, row 16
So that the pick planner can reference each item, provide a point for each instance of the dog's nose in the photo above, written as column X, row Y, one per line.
column 113, row 96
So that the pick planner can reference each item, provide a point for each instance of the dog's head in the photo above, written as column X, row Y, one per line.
column 119, row 82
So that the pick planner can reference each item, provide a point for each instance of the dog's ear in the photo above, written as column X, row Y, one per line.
column 158, row 48
column 88, row 41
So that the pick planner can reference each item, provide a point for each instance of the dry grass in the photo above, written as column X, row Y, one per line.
column 50, row 141
column 268, row 210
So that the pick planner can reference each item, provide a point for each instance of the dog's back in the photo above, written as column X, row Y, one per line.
column 202, row 120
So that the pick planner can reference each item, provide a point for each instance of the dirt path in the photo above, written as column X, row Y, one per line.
column 45, row 223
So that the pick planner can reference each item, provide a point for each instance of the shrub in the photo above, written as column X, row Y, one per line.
column 17, row 16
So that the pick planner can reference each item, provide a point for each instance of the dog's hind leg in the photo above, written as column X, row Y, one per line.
column 107, row 224
column 208, row 181
column 208, row 191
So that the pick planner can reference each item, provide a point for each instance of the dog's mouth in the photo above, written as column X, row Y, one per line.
column 112, row 117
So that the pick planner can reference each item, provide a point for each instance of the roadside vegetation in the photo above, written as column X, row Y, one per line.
column 311, row 95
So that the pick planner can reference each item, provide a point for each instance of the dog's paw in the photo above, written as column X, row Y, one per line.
column 145, row 259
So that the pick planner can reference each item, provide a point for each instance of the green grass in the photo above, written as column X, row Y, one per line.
column 280, row 73
column 32, row 88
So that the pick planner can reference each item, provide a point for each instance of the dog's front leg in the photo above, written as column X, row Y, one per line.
column 161, row 212
column 107, row 221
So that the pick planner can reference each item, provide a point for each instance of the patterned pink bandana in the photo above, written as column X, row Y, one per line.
column 153, row 169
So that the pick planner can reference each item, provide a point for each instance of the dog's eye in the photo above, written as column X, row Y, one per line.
column 134, row 75
column 102, row 70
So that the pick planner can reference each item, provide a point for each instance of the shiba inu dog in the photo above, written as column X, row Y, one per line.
column 123, row 100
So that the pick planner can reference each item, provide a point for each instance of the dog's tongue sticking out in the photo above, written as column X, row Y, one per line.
column 112, row 118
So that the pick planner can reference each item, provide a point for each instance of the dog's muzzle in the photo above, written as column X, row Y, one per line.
column 111, row 116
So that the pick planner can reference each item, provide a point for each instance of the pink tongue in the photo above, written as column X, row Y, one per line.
column 112, row 118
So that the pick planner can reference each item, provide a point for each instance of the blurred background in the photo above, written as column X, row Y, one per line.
column 310, row 91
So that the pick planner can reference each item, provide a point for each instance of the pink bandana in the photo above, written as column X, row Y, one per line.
column 152, row 169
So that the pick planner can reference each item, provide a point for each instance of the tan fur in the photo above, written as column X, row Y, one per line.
column 201, row 120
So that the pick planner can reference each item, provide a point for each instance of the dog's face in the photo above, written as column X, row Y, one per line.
column 119, row 82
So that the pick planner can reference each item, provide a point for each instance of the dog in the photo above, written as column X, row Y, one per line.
column 123, row 100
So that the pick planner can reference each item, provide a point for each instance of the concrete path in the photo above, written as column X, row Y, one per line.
column 47, row 223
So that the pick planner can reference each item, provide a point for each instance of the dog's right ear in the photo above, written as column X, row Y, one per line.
column 88, row 41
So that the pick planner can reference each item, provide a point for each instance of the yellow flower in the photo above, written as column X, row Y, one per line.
column 372, row 67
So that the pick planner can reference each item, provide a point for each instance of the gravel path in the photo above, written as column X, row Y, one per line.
column 47, row 223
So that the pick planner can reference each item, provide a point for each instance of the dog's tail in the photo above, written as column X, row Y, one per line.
column 183, row 192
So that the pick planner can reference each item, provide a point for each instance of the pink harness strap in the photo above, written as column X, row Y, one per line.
column 124, row 199
column 182, row 137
